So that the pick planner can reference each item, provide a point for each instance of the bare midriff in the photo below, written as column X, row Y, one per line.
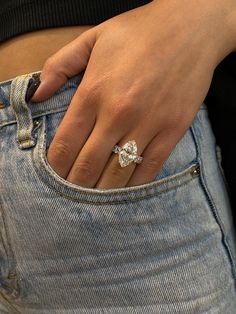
column 28, row 52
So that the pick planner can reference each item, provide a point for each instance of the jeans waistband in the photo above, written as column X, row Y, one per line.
column 14, row 90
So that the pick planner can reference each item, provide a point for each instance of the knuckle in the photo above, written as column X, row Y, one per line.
column 61, row 148
column 152, row 164
column 49, row 64
column 87, row 94
column 118, row 173
column 175, row 122
column 84, row 169
column 54, row 65
column 122, row 105
column 121, row 109
column 168, row 123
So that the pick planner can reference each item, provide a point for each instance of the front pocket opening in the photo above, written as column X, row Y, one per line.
column 67, row 189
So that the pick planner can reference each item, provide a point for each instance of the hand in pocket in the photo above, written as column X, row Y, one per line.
column 148, row 71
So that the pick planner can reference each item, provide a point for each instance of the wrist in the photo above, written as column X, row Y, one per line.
column 231, row 27
column 214, row 19
column 225, row 34
column 220, row 16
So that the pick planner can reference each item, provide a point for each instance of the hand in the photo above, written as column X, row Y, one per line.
column 148, row 71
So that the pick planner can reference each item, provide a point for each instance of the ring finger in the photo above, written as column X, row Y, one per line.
column 115, row 176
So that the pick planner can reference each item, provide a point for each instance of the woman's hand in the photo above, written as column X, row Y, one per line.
column 148, row 71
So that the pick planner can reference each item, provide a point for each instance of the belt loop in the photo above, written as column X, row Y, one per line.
column 22, row 111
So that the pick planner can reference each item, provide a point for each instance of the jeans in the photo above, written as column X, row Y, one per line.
column 167, row 246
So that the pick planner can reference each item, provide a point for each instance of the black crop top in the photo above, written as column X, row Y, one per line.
column 21, row 16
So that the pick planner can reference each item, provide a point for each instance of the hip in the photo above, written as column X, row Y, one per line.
column 27, row 53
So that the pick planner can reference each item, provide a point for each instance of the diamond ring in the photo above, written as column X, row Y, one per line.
column 127, row 153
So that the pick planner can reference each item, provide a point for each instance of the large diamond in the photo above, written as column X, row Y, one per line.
column 128, row 153
column 130, row 147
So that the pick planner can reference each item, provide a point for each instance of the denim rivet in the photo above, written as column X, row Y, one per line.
column 195, row 171
column 36, row 123
column 2, row 106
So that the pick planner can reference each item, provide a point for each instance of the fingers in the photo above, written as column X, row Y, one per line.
column 115, row 176
column 92, row 158
column 154, row 154
column 97, row 166
column 91, row 163
column 71, row 135
column 67, row 62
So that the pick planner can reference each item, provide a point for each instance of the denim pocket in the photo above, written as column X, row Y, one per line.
column 90, row 250
column 180, row 168
column 116, row 246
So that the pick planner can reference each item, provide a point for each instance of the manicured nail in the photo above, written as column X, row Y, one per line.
column 32, row 87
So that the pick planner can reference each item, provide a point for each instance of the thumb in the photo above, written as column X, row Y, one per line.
column 65, row 63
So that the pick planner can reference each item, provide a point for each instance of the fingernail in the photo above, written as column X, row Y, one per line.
column 32, row 87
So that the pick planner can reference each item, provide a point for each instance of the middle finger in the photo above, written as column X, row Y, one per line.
column 93, row 157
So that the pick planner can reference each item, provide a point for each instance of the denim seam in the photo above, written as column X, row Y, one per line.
column 40, row 166
column 40, row 149
column 22, row 113
column 11, row 285
column 219, row 164
column 213, row 207
column 64, row 88
column 128, row 201
column 9, row 306
column 5, row 243
column 178, row 176
column 35, row 115
column 7, row 246
column 38, row 114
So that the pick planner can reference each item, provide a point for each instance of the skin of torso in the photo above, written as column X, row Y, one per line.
column 28, row 52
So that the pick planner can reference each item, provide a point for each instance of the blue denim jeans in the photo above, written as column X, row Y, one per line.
column 167, row 246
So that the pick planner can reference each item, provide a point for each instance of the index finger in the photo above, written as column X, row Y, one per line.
column 67, row 62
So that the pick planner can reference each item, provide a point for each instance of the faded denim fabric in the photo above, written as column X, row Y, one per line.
column 167, row 246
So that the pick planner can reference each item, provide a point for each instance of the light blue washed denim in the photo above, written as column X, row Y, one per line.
column 167, row 246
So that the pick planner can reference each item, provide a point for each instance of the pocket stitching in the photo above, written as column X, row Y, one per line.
column 117, row 195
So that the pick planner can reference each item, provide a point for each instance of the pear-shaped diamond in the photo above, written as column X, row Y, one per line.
column 128, row 153
column 130, row 147
column 124, row 159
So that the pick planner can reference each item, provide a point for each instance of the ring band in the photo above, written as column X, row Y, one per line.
column 127, row 153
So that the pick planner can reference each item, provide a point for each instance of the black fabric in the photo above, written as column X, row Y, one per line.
column 221, row 103
column 21, row 16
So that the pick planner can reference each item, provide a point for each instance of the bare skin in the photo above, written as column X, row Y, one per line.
column 28, row 52
column 140, row 66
